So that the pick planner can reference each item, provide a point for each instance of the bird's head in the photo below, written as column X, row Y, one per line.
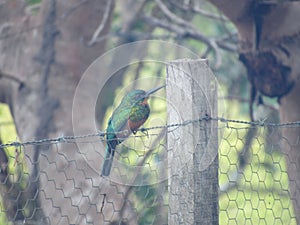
column 140, row 96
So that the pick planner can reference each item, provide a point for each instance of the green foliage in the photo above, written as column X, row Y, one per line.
column 17, row 168
column 33, row 2
column 261, row 196
column 149, row 195
column 146, row 193
column 33, row 6
column 3, row 218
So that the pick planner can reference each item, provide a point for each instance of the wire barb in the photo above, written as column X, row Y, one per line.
column 101, row 134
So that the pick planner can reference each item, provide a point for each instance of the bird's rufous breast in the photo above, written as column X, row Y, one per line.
column 134, row 125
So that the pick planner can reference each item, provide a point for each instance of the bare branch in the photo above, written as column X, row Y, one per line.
column 195, row 9
column 212, row 45
column 102, row 24
column 185, row 31
column 210, row 15
column 180, row 31
column 172, row 17
column 228, row 42
column 11, row 77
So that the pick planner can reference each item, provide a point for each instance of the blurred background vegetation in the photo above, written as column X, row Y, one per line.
column 252, row 175
column 255, row 192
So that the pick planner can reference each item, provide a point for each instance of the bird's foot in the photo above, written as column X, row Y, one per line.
column 144, row 131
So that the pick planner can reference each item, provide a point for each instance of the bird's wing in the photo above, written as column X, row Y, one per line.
column 119, row 121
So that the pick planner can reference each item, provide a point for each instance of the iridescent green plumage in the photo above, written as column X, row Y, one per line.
column 132, row 112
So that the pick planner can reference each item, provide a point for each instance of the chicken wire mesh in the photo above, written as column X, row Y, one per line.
column 253, row 177
column 53, row 181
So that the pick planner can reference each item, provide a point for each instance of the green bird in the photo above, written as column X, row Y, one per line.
column 132, row 113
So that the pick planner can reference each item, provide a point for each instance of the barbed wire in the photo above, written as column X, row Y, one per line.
column 241, row 170
column 101, row 134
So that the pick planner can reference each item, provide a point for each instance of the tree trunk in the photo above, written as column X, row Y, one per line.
column 270, row 50
column 290, row 111
column 49, row 51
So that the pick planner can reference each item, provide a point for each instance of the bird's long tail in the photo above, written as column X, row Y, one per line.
column 109, row 156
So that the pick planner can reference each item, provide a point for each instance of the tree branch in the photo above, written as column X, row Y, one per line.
column 11, row 77
column 11, row 193
column 172, row 17
column 187, row 30
column 194, row 9
column 102, row 24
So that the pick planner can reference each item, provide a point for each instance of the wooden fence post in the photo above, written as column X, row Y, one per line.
column 192, row 149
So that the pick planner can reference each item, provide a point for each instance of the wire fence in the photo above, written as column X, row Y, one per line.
column 62, row 183
column 229, row 123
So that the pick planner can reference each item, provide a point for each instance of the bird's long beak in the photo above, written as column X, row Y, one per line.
column 150, row 92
